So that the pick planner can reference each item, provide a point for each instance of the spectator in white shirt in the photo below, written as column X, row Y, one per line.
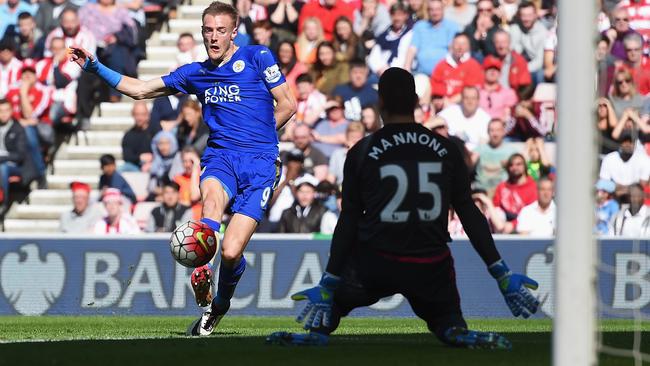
column 633, row 220
column 538, row 218
column 466, row 119
column 116, row 221
column 626, row 166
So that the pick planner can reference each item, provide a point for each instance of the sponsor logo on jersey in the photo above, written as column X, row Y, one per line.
column 272, row 74
column 238, row 66
column 222, row 93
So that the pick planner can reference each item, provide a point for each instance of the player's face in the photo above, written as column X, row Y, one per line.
column 218, row 35
column 170, row 197
column 5, row 113
column 305, row 195
column 69, row 23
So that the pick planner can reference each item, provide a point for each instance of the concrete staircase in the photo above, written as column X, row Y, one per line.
column 78, row 160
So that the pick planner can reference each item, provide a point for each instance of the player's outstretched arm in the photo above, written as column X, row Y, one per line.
column 132, row 87
column 286, row 104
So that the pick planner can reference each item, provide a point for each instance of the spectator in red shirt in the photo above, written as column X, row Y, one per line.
column 638, row 64
column 327, row 11
column 495, row 98
column 456, row 71
column 518, row 191
column 31, row 102
column 514, row 68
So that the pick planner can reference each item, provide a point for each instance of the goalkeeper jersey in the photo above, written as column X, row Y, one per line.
column 398, row 186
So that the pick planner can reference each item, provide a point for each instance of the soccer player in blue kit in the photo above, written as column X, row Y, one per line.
column 237, row 87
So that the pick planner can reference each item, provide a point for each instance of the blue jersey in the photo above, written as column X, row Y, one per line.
column 237, row 102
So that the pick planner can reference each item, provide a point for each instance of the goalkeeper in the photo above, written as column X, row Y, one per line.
column 391, row 237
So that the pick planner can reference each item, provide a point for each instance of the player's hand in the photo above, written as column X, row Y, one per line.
column 318, row 310
column 81, row 57
column 514, row 288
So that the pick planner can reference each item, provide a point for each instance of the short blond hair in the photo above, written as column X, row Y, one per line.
column 218, row 8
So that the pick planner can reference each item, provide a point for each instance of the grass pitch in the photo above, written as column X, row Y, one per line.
column 240, row 341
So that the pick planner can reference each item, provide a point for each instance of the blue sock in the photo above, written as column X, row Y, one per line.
column 214, row 225
column 228, row 279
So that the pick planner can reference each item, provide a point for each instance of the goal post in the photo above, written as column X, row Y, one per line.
column 575, row 321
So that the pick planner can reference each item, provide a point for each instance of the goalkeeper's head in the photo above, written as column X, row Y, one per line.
column 397, row 96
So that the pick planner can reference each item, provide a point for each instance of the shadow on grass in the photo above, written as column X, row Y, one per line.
column 363, row 349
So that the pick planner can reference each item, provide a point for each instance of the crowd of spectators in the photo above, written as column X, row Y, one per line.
column 485, row 73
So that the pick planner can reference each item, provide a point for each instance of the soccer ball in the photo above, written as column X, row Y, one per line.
column 193, row 244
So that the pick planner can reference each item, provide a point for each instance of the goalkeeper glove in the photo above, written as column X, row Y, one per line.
column 319, row 302
column 514, row 288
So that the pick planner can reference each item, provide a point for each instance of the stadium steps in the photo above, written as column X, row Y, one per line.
column 31, row 226
column 82, row 152
column 78, row 160
column 184, row 25
column 56, row 196
column 38, row 211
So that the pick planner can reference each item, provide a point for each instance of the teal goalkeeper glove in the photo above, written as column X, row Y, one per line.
column 514, row 288
column 319, row 302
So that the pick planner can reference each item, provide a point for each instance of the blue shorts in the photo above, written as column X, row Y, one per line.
column 248, row 178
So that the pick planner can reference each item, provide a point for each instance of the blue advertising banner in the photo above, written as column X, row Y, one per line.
column 137, row 276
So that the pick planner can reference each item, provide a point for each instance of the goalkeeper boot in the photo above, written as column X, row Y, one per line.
column 461, row 337
column 201, row 281
column 204, row 325
column 297, row 339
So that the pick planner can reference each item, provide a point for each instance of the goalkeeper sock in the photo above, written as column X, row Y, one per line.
column 228, row 279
